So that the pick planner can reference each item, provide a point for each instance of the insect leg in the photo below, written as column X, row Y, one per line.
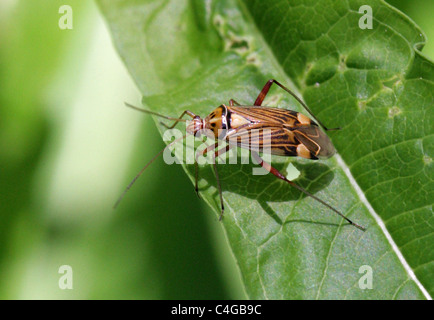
column 274, row 171
column 220, row 190
column 196, row 178
column 264, row 93
column 232, row 102
column 215, row 155
column 191, row 114
column 196, row 166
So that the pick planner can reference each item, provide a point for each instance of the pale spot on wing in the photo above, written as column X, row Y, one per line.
column 303, row 152
column 303, row 119
column 238, row 121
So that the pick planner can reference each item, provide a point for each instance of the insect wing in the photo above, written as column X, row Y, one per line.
column 266, row 115
column 283, row 132
column 279, row 140
column 316, row 141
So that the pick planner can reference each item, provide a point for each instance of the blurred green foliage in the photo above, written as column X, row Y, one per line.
column 65, row 156
column 66, row 141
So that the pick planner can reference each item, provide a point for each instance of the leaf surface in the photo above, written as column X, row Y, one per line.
column 374, row 84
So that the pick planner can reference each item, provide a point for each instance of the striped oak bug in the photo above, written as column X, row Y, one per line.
column 290, row 134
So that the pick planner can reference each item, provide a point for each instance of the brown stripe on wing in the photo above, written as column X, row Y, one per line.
column 274, row 116
column 279, row 140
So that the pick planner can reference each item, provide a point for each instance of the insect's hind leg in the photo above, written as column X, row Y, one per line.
column 275, row 172
column 232, row 102
column 264, row 93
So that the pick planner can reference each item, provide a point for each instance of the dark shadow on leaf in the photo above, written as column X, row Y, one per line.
column 238, row 178
column 327, row 224
column 264, row 205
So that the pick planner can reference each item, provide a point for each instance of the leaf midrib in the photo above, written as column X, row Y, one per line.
column 381, row 224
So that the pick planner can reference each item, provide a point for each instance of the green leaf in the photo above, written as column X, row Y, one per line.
column 374, row 84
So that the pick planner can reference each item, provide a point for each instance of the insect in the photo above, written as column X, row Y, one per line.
column 290, row 134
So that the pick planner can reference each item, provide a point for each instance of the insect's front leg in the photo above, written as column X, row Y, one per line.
column 216, row 154
column 200, row 153
column 196, row 177
column 191, row 114
column 196, row 166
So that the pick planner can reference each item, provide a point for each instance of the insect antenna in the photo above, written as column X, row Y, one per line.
column 143, row 169
column 154, row 113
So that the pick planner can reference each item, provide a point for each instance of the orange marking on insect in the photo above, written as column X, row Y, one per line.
column 303, row 152
column 237, row 121
column 303, row 119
